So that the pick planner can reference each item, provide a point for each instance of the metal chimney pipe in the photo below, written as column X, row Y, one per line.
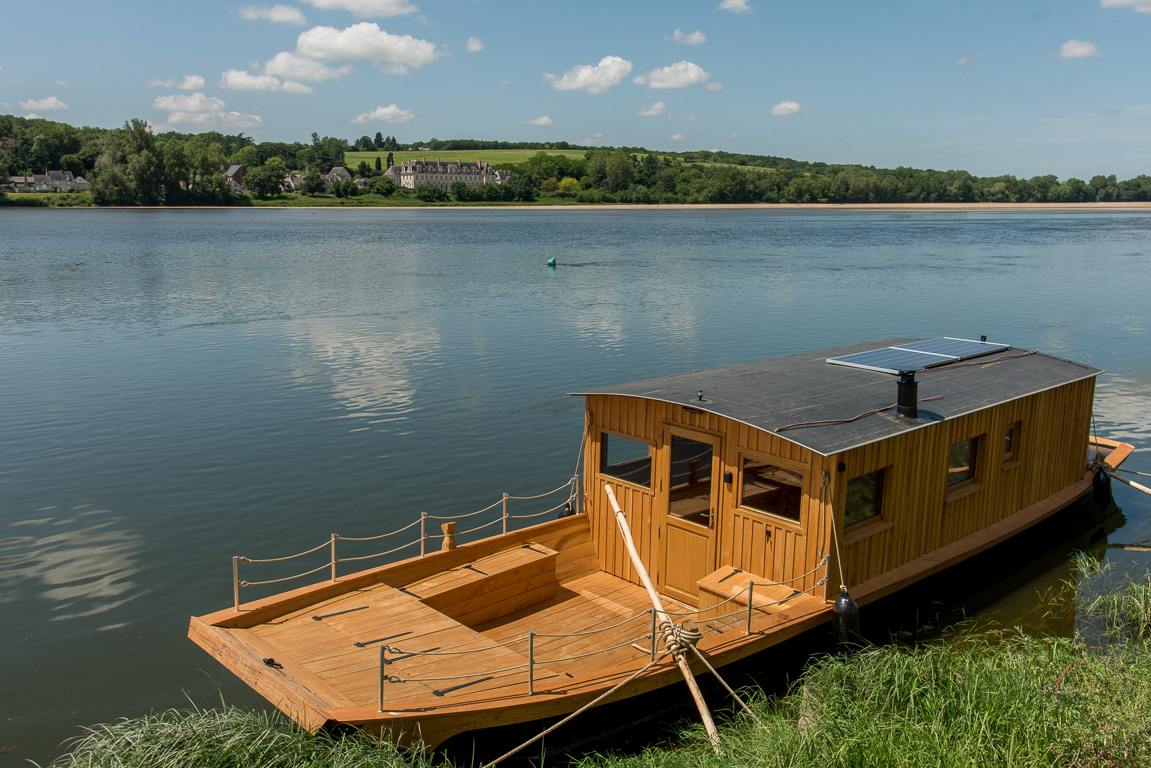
column 908, row 389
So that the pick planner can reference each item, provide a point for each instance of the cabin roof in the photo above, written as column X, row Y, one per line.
column 782, row 391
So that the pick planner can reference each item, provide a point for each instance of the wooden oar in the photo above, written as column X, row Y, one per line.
column 661, row 617
column 1131, row 483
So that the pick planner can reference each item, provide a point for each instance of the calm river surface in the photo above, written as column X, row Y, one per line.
column 178, row 387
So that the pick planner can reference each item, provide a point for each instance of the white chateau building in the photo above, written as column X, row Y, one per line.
column 442, row 174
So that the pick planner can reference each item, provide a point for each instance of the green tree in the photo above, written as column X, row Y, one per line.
column 382, row 186
column 265, row 181
column 313, row 182
column 431, row 194
column 568, row 187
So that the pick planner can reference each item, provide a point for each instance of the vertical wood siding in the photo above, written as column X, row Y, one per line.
column 919, row 515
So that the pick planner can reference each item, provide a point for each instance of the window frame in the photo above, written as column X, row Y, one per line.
column 881, row 516
column 1011, row 458
column 786, row 464
column 973, row 483
column 602, row 467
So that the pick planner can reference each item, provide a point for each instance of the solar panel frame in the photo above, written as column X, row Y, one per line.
column 917, row 356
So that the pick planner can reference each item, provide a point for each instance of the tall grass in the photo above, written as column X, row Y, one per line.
column 979, row 700
column 226, row 738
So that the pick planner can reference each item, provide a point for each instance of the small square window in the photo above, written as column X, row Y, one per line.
column 625, row 459
column 1011, row 442
column 864, row 498
column 772, row 489
column 962, row 462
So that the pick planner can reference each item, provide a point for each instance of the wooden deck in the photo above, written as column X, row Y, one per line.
column 592, row 630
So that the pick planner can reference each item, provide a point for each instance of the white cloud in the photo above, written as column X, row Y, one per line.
column 965, row 59
column 679, row 137
column 651, row 111
column 195, row 102
column 785, row 108
column 186, row 83
column 281, row 14
column 1143, row 6
column 388, row 114
column 32, row 116
column 689, row 118
column 204, row 112
column 594, row 79
column 294, row 67
column 713, row 87
column 365, row 41
column 695, row 38
column 220, row 121
column 541, row 121
column 505, row 83
column 48, row 104
column 1078, row 49
column 732, row 136
column 239, row 80
column 475, row 44
column 592, row 140
column 61, row 82
column 735, row 6
column 682, row 74
column 366, row 9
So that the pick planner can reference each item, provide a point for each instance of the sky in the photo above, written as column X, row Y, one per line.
column 1021, row 87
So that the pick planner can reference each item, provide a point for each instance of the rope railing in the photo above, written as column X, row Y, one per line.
column 668, row 630
column 447, row 539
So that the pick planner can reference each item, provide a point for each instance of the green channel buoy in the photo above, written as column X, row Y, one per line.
column 552, row 261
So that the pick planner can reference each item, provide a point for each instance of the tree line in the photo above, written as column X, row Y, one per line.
column 131, row 165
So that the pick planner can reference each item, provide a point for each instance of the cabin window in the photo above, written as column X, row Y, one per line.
column 1011, row 442
column 961, row 464
column 770, row 488
column 625, row 459
column 864, row 498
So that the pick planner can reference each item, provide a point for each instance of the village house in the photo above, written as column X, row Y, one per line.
column 49, row 181
column 338, row 175
column 442, row 174
column 234, row 177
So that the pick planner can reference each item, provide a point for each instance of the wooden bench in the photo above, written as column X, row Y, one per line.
column 492, row 586
column 728, row 582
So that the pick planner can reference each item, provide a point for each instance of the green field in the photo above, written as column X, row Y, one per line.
column 491, row 156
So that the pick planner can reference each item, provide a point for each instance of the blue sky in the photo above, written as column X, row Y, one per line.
column 1009, row 86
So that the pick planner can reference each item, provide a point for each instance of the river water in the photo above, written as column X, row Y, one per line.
column 178, row 387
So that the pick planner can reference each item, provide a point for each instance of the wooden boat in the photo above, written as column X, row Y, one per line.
column 748, row 490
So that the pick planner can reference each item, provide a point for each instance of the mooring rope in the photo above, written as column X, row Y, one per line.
column 678, row 638
column 579, row 711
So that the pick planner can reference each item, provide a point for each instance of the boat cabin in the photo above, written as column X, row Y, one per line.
column 903, row 446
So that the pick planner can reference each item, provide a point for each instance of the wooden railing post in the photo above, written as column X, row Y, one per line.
column 505, row 515
column 334, row 537
column 423, row 532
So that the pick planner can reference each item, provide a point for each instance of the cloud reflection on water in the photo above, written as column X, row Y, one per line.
column 80, row 561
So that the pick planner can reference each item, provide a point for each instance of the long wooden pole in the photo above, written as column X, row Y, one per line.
column 1131, row 483
column 704, row 714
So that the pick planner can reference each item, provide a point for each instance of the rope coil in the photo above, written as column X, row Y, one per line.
column 678, row 639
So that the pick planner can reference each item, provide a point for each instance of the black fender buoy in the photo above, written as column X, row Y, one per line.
column 565, row 511
column 845, row 618
column 1101, row 487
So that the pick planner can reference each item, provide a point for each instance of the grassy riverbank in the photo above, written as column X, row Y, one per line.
column 978, row 699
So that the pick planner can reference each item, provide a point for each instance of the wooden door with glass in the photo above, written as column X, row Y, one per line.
column 690, row 476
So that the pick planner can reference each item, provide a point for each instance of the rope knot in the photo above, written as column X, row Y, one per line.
column 678, row 639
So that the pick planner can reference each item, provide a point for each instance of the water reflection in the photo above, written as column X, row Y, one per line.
column 81, row 560
column 371, row 373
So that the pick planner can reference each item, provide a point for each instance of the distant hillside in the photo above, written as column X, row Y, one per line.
column 131, row 166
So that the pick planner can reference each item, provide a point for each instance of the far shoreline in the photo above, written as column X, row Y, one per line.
column 675, row 207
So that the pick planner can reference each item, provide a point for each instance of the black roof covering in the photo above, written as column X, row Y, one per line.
column 782, row 391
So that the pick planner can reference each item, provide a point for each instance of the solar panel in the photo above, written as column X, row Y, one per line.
column 917, row 355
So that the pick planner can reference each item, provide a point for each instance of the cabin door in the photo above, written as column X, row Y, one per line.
column 689, row 479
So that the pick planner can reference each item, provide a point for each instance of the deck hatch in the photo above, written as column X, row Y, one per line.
column 918, row 355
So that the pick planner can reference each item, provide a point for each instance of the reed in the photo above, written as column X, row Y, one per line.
column 225, row 738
